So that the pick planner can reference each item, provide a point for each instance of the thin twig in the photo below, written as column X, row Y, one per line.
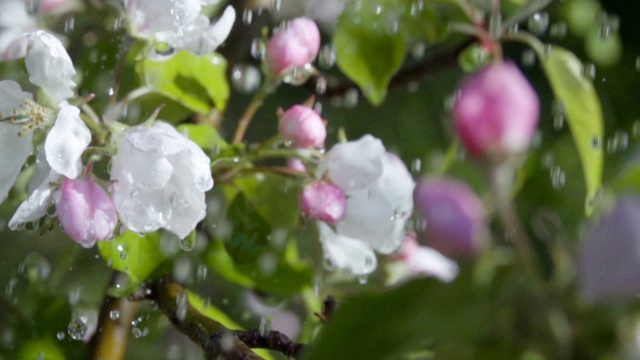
column 216, row 340
column 250, row 111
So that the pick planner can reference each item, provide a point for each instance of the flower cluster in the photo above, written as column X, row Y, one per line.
column 158, row 176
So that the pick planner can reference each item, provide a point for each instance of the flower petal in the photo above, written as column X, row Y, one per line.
column 36, row 205
column 49, row 66
column 66, row 142
column 346, row 253
column 429, row 262
column 355, row 164
column 217, row 33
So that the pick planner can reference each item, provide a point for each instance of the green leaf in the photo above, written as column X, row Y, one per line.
column 135, row 255
column 628, row 178
column 582, row 110
column 257, row 256
column 195, row 81
column 275, row 198
column 205, row 136
column 389, row 324
column 367, row 51
column 41, row 349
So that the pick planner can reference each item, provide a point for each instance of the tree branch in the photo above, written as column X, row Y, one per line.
column 275, row 340
column 110, row 341
column 216, row 340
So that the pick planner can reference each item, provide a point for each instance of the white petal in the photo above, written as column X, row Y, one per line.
column 355, row 164
column 14, row 149
column 36, row 205
column 49, row 66
column 160, row 137
column 153, row 19
column 216, row 34
column 427, row 261
column 377, row 214
column 66, row 142
column 184, row 205
column 346, row 253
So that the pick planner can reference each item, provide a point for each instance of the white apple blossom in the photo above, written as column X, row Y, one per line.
column 179, row 24
column 379, row 192
column 49, row 67
column 414, row 260
column 14, row 22
column 159, row 179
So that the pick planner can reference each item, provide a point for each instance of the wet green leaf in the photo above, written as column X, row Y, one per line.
column 196, row 81
column 582, row 110
column 205, row 136
column 41, row 349
column 135, row 255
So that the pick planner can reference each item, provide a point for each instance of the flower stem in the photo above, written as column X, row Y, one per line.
column 248, row 114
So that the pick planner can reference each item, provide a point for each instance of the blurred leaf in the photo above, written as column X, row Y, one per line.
column 255, row 255
column 386, row 325
column 205, row 136
column 367, row 51
column 40, row 349
column 628, row 178
column 135, row 255
column 250, row 232
column 275, row 198
column 193, row 80
column 583, row 112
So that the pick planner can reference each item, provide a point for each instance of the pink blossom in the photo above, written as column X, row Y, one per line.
column 303, row 127
column 497, row 112
column 415, row 260
column 85, row 211
column 296, row 46
column 453, row 215
column 323, row 201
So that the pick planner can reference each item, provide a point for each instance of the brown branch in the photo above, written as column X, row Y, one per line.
column 216, row 340
column 431, row 65
column 275, row 340
column 110, row 341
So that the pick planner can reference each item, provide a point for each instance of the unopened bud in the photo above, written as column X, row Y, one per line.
column 85, row 211
column 303, row 127
column 295, row 46
column 453, row 216
column 323, row 201
column 497, row 112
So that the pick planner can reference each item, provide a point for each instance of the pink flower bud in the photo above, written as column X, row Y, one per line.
column 85, row 211
column 323, row 201
column 497, row 111
column 453, row 215
column 295, row 46
column 303, row 127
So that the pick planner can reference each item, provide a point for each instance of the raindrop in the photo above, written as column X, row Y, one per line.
column 33, row 6
column 558, row 177
column 596, row 142
column 538, row 23
column 77, row 328
column 495, row 25
column 245, row 78
column 298, row 75
column 558, row 30
column 60, row 335
column 123, row 256
column 114, row 314
column 201, row 273
column 327, row 56
column 528, row 58
column 247, row 16
column 321, row 86
column 265, row 326
column 318, row 107
column 258, row 48
column 69, row 24
column 418, row 51
column 636, row 129
column 638, row 63
column 351, row 98
column 188, row 243
column 137, row 333
column 182, row 269
column 416, row 166
column 181, row 306
column 267, row 264
column 363, row 279
column 589, row 71
column 275, row 5
column 35, row 267
column 513, row 29
column 618, row 142
column 558, row 115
